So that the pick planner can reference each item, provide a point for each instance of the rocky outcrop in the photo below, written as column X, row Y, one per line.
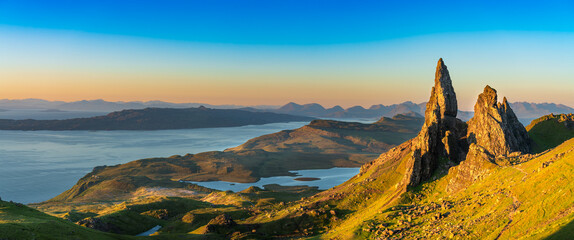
column 493, row 132
column 222, row 224
column 441, row 135
column 495, row 127
column 98, row 224
column 477, row 165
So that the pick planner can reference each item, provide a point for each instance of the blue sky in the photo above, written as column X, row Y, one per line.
column 287, row 22
column 273, row 52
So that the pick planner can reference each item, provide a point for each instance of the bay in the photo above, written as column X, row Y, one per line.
column 326, row 178
column 38, row 165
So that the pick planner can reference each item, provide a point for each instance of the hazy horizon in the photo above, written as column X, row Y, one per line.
column 261, row 105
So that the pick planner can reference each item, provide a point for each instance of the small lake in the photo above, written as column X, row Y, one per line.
column 38, row 165
column 328, row 178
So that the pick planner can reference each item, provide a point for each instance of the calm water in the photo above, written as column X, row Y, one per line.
column 38, row 165
column 328, row 179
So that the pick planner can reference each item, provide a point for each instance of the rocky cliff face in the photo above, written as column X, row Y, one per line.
column 477, row 165
column 444, row 139
column 441, row 135
column 495, row 127
column 494, row 131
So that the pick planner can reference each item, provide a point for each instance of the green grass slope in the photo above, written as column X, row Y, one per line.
column 551, row 130
column 530, row 200
column 18, row 221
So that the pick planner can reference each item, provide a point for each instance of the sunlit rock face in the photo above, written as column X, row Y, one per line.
column 495, row 127
column 441, row 135
column 493, row 131
column 444, row 140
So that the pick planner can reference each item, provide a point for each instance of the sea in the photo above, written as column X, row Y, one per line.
column 36, row 166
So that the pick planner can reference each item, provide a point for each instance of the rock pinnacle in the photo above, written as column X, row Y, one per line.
column 495, row 127
column 441, row 133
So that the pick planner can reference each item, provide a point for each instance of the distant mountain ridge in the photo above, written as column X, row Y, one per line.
column 536, row 110
column 525, row 111
column 156, row 119
column 105, row 106
column 317, row 110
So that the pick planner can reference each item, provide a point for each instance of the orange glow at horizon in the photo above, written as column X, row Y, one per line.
column 247, row 91
column 56, row 66
column 181, row 89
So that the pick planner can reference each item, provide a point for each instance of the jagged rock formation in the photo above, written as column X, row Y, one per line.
column 495, row 127
column 442, row 133
column 494, row 131
column 477, row 165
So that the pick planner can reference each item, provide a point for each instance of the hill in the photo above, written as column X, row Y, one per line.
column 321, row 144
column 155, row 119
column 18, row 221
column 551, row 130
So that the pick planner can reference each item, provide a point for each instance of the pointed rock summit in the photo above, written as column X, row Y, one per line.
column 495, row 127
column 443, row 97
column 493, row 131
column 440, row 136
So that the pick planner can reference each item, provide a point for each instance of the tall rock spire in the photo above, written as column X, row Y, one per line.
column 443, row 93
column 440, row 136
column 495, row 127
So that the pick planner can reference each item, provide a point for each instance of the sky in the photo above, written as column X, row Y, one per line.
column 272, row 52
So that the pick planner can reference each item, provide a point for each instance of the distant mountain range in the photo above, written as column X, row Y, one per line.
column 156, row 119
column 105, row 106
column 525, row 111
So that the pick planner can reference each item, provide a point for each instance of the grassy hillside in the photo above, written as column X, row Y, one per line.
column 551, row 130
column 18, row 221
column 519, row 196
column 528, row 200
column 190, row 217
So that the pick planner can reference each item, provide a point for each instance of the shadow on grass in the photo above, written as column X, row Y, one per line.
column 566, row 232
